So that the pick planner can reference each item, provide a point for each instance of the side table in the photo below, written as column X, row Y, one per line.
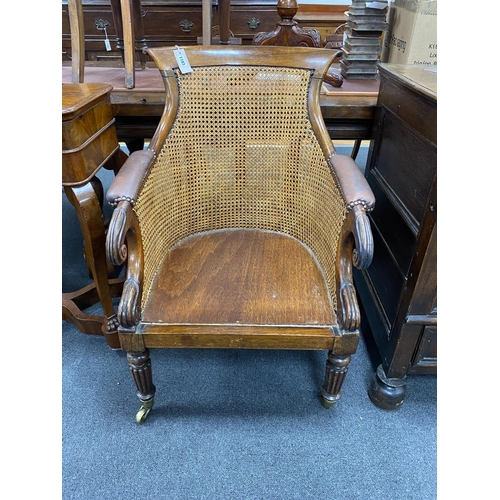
column 89, row 142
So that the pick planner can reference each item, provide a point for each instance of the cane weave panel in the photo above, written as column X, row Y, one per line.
column 241, row 154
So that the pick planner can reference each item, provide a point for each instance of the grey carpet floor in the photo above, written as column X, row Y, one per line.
column 234, row 424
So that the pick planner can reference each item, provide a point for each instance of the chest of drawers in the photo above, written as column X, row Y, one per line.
column 399, row 292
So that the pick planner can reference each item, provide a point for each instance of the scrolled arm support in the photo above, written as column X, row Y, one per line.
column 355, row 248
column 356, row 241
column 351, row 315
column 116, row 249
column 124, row 244
column 129, row 309
column 362, row 254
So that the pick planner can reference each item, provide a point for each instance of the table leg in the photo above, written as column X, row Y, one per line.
column 128, row 42
column 130, row 38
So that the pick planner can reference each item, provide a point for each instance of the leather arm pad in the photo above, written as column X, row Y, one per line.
column 128, row 181
column 352, row 182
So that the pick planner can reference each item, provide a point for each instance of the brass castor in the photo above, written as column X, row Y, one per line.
column 143, row 413
column 327, row 400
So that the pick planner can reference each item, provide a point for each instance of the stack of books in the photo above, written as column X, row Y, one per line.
column 366, row 24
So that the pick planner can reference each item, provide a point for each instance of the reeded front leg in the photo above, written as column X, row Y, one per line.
column 140, row 367
column 336, row 369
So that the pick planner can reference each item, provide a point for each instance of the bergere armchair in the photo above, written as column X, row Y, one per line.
column 239, row 225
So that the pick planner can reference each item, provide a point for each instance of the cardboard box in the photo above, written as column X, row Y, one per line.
column 412, row 34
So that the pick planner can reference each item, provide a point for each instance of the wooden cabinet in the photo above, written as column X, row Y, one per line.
column 171, row 22
column 398, row 291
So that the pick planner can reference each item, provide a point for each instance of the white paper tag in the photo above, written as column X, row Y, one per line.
column 182, row 60
column 107, row 44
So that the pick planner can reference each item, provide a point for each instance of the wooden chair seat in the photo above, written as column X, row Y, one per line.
column 238, row 283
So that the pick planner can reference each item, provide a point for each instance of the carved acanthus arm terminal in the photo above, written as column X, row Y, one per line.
column 356, row 245
column 123, row 241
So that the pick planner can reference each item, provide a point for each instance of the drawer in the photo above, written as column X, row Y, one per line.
column 418, row 111
column 97, row 52
column 80, row 129
column 88, row 132
column 94, row 16
column 247, row 22
column 81, row 163
column 425, row 359
column 174, row 23
column 95, row 19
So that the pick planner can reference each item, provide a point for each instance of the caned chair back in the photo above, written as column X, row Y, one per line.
column 242, row 146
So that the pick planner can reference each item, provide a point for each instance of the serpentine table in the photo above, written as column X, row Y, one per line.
column 89, row 143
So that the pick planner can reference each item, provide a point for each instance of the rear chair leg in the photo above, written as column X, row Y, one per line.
column 336, row 369
column 140, row 366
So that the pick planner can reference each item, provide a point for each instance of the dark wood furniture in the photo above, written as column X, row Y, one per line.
column 89, row 143
column 123, row 26
column 348, row 113
column 239, row 224
column 164, row 22
column 171, row 22
column 399, row 292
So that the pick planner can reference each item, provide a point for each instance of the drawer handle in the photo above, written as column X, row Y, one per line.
column 186, row 25
column 253, row 23
column 101, row 24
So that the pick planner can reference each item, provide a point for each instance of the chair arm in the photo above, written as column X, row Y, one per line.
column 124, row 243
column 352, row 182
column 128, row 181
column 356, row 242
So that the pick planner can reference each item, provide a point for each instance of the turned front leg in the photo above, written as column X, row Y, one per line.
column 140, row 367
column 336, row 370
